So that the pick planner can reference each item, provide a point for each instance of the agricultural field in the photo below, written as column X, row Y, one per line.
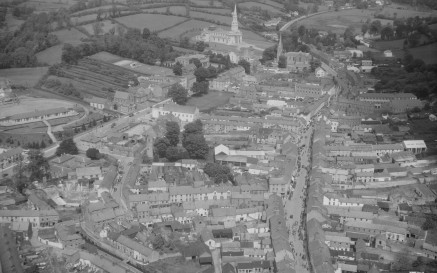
column 179, row 10
column 95, row 78
column 305, row 6
column 72, row 36
column 217, row 18
column 175, row 31
column 207, row 3
column 249, row 5
column 26, row 135
column 23, row 76
column 48, row 5
column 272, row 3
column 106, row 57
column 405, row 12
column 96, row 9
column 210, row 101
column 427, row 53
column 338, row 21
column 29, row 104
column 12, row 22
column 77, row 20
column 225, row 12
column 106, row 26
column 51, row 55
column 154, row 22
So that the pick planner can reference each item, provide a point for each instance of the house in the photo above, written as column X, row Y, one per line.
column 197, row 251
column 38, row 219
column 415, row 146
column 273, row 22
column 404, row 210
column 185, row 114
column 124, row 101
column 10, row 157
column 254, row 267
column 186, row 59
column 298, row 61
column 430, row 244
column 87, row 173
column 97, row 103
column 279, row 185
column 132, row 248
column 320, row 72
column 38, row 115
column 388, row 53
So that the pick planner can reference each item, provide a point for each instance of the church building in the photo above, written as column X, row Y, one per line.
column 213, row 34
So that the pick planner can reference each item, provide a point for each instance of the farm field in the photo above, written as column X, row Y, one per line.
column 206, row 3
column 427, row 53
column 48, row 5
column 96, row 78
column 106, row 26
column 51, row 55
column 29, row 104
column 217, row 18
column 104, row 8
column 154, row 22
column 24, row 76
column 26, row 136
column 225, row 12
column 338, row 21
column 175, row 31
column 210, row 101
column 392, row 45
column 405, row 12
column 76, row 20
column 249, row 5
column 106, row 57
column 72, row 36
column 305, row 6
column 178, row 10
column 272, row 3
column 12, row 22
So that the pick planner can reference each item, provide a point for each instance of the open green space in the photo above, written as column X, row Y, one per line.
column 48, row 5
column 105, row 25
column 249, row 5
column 178, row 10
column 207, row 3
column 71, row 36
column 51, row 55
column 226, row 20
column 427, row 53
column 177, row 30
column 225, row 12
column 210, row 101
column 23, row 76
column 338, row 21
column 154, row 22
column 29, row 104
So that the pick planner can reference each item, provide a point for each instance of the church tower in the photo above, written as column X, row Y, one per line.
column 280, row 49
column 234, row 26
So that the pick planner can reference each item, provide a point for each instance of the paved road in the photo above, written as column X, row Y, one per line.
column 295, row 207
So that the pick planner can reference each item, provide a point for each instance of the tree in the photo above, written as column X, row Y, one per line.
column 67, row 147
column 387, row 33
column 246, row 65
column 146, row 33
column 364, row 28
column 375, row 27
column 43, row 144
column 97, row 28
column 146, row 159
column 195, row 127
column 282, row 62
column 428, row 224
column 93, row 153
column 269, row 53
column 158, row 241
column 172, row 132
column 160, row 146
column 349, row 33
column 200, row 46
column 220, row 173
column 201, row 73
column 38, row 166
column 200, row 88
column 178, row 93
column 314, row 63
column 177, row 69
column 196, row 62
column 196, row 146
column 172, row 154
column 301, row 30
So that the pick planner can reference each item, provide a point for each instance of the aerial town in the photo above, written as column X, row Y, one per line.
column 218, row 136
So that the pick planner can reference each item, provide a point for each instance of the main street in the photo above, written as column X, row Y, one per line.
column 295, row 207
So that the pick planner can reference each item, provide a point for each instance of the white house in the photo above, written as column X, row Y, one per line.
column 97, row 103
column 320, row 72
column 388, row 53
column 185, row 114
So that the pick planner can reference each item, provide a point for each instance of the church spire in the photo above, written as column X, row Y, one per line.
column 280, row 49
column 234, row 26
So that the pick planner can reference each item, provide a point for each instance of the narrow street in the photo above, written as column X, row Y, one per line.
column 295, row 208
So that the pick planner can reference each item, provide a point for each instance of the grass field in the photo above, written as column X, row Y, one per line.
column 23, row 76
column 106, row 57
column 106, row 26
column 225, row 12
column 338, row 21
column 79, row 19
column 405, row 12
column 12, row 22
column 154, row 22
column 210, row 101
column 219, row 18
column 48, row 5
column 427, row 53
column 272, row 3
column 174, row 32
column 392, row 45
column 179, row 10
column 51, row 55
column 207, row 3
column 29, row 104
column 107, row 7
column 72, row 36
column 249, row 5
